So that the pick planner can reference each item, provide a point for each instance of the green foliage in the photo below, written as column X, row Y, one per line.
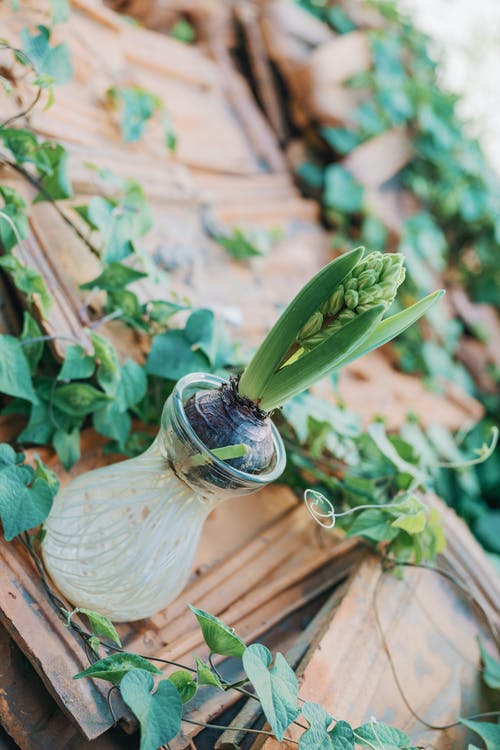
column 219, row 637
column 206, row 675
column 15, row 376
column 60, row 11
column 244, row 244
column 491, row 674
column 381, row 737
column 114, row 668
column 488, row 732
column 319, row 736
column 25, row 494
column 342, row 192
column 183, row 31
column 137, row 107
column 185, row 684
column 13, row 218
column 114, row 278
column 276, row 686
column 159, row 713
column 100, row 625
column 53, row 64
column 28, row 281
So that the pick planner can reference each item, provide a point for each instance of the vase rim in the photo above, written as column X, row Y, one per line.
column 204, row 380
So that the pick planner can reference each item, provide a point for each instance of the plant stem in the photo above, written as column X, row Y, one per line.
column 234, row 729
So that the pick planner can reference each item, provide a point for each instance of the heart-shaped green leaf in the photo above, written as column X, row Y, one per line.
column 159, row 713
column 185, row 684
column 114, row 668
column 275, row 686
column 219, row 637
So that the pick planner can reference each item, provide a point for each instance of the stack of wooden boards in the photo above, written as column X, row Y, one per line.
column 261, row 560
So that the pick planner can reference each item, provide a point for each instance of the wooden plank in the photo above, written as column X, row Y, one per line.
column 430, row 630
column 31, row 716
column 377, row 160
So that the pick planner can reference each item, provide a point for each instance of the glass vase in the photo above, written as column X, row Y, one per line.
column 121, row 540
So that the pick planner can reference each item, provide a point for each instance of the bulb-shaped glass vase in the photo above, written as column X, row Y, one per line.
column 120, row 540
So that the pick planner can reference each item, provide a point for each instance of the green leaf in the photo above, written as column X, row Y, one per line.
column 159, row 713
column 79, row 399
column 77, row 365
column 491, row 673
column 183, row 31
column 115, row 277
column 52, row 62
column 115, row 227
column 377, row 735
column 295, row 378
column 40, row 428
column 34, row 351
column 114, row 668
column 377, row 432
column 113, row 422
column 282, row 335
column 412, row 524
column 100, row 625
column 171, row 356
column 49, row 477
column 60, row 11
column 391, row 327
column 138, row 106
column 108, row 365
column 16, row 210
column 341, row 140
column 185, row 684
column 276, row 686
column 28, row 281
column 317, row 737
column 133, row 384
column 67, row 446
column 25, row 497
column 373, row 524
column 220, row 638
column 206, row 676
column 342, row 192
column 488, row 732
column 15, row 376
column 55, row 182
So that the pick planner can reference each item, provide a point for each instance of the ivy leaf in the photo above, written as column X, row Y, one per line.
column 159, row 713
column 52, row 62
column 113, row 422
column 25, row 497
column 342, row 192
column 114, row 226
column 491, row 674
column 32, row 352
column 77, row 365
column 60, row 11
column 206, row 676
column 16, row 209
column 55, row 182
column 488, row 732
column 79, row 399
column 28, row 281
column 15, row 376
column 115, row 277
column 275, row 686
column 133, row 385
column 184, row 683
column 100, row 625
column 108, row 367
column 67, row 446
column 171, row 356
column 373, row 524
column 114, row 668
column 40, row 428
column 220, row 638
column 317, row 737
column 377, row 735
column 137, row 107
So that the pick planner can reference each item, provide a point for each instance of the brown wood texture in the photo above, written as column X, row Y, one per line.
column 429, row 627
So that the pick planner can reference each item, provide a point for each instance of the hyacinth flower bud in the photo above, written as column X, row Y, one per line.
column 373, row 281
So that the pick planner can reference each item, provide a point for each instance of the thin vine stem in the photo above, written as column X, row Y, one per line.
column 25, row 112
column 223, row 728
